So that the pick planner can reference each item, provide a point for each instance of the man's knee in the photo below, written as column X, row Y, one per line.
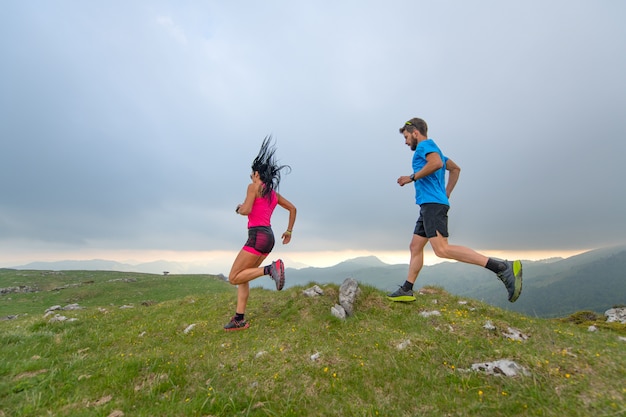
column 441, row 252
column 440, row 246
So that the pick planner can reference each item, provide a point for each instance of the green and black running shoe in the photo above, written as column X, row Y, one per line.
column 401, row 295
column 512, row 278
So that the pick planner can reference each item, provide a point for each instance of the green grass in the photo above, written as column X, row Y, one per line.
column 141, row 362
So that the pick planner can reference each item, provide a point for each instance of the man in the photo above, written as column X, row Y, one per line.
column 432, row 194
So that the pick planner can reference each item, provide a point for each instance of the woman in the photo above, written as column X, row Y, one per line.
column 261, row 199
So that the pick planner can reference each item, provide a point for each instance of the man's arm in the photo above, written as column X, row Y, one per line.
column 433, row 163
column 453, row 176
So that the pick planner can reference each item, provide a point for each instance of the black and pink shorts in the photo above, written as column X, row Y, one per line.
column 260, row 240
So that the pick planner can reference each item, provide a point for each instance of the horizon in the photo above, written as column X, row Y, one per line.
column 220, row 261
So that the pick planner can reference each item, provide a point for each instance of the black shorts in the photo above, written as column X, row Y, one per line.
column 433, row 218
column 260, row 240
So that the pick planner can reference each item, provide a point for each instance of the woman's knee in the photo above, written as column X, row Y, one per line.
column 232, row 278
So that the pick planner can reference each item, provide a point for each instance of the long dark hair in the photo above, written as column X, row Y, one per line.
column 265, row 164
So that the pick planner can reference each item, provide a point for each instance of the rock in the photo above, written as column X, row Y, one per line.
column 18, row 289
column 430, row 313
column 348, row 292
column 314, row 291
column 592, row 329
column 489, row 325
column 315, row 356
column 617, row 314
column 57, row 318
column 338, row 311
column 404, row 344
column 189, row 328
column 500, row 367
column 515, row 334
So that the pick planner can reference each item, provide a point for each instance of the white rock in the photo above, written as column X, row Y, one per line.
column 338, row 311
column 500, row 367
column 314, row 291
column 616, row 315
column 57, row 318
column 404, row 344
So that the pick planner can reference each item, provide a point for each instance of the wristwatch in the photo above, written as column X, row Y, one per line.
column 412, row 176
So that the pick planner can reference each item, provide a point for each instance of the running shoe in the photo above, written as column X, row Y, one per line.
column 512, row 279
column 236, row 325
column 401, row 295
column 277, row 273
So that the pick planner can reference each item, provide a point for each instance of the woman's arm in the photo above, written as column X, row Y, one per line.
column 287, row 205
column 246, row 207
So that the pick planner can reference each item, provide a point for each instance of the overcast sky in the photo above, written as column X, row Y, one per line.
column 131, row 126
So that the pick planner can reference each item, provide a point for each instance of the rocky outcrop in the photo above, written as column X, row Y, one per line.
column 348, row 292
column 616, row 315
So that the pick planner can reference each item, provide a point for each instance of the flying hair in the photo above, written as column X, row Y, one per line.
column 267, row 167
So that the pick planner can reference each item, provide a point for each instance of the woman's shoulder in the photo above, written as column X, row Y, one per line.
column 256, row 188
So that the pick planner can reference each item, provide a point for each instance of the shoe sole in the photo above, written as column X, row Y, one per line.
column 234, row 329
column 402, row 298
column 281, row 275
column 517, row 272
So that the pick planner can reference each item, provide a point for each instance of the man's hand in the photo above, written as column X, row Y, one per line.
column 404, row 180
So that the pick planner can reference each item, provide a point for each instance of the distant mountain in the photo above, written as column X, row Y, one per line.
column 556, row 287
column 91, row 265
column 156, row 267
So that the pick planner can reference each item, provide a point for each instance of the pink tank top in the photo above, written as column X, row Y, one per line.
column 262, row 209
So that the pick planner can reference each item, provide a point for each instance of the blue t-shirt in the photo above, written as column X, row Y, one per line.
column 432, row 188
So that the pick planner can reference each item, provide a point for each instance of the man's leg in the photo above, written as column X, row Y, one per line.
column 509, row 272
column 405, row 292
column 458, row 253
column 418, row 243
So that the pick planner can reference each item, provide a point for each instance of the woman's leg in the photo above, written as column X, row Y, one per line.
column 245, row 269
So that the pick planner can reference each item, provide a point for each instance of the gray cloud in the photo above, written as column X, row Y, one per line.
column 135, row 126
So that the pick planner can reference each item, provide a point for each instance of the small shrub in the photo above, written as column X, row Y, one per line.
column 581, row 317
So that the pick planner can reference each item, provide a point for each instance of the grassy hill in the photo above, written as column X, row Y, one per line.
column 386, row 360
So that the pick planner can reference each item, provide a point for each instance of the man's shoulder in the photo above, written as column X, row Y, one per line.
column 428, row 146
